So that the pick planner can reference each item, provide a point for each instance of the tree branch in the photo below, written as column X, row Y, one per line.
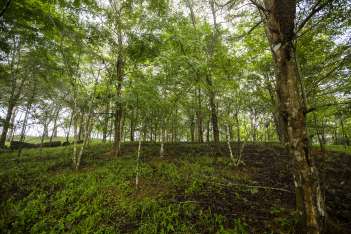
column 258, row 5
column 327, row 105
column 250, row 31
column 5, row 8
column 314, row 10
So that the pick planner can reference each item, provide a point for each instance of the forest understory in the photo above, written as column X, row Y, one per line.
column 194, row 188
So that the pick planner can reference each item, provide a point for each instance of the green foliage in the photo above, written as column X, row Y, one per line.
column 42, row 193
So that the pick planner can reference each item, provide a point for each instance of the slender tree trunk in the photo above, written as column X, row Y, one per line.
column 123, row 129
column 132, row 129
column 87, row 131
column 41, row 143
column 81, row 127
column 54, row 130
column 231, row 131
column 279, row 19
column 14, row 96
column 75, row 135
column 192, row 128
column 277, row 117
column 87, row 128
column 118, row 131
column 138, row 162
column 162, row 142
column 69, row 127
column 25, row 120
column 253, row 127
column 106, row 121
column 24, row 127
column 155, row 132
column 229, row 146
column 236, row 118
column 6, row 125
column 346, row 140
column 12, row 124
column 319, row 135
column 214, row 119
column 46, row 126
column 119, row 107
column 208, row 131
column 199, row 119
column 335, row 132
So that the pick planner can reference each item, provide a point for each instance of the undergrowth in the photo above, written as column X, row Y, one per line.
column 40, row 192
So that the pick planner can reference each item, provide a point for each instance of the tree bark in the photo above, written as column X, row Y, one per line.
column 199, row 119
column 24, row 127
column 12, row 124
column 346, row 140
column 106, row 121
column 279, row 19
column 6, row 125
column 320, row 134
column 132, row 129
column 208, row 131
column 15, row 91
column 214, row 119
column 192, row 128
column 54, row 130
column 277, row 117
column 118, row 108
column 25, row 120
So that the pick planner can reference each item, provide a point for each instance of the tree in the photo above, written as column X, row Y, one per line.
column 279, row 19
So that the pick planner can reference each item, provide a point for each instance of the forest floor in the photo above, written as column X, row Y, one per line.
column 193, row 189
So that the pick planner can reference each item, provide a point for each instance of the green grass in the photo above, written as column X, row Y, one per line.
column 339, row 148
column 336, row 148
column 37, row 139
column 41, row 193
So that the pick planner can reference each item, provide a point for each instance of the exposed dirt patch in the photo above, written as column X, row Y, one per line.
column 267, row 166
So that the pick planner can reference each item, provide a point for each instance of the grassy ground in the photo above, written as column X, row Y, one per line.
column 188, row 191
column 37, row 139
column 339, row 148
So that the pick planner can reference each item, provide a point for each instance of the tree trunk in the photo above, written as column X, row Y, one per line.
column 228, row 144
column 12, row 124
column 54, row 130
column 119, row 108
column 319, row 134
column 25, row 120
column 192, row 128
column 6, row 125
column 277, row 117
column 138, row 162
column 132, row 129
column 162, row 142
column 199, row 119
column 14, row 96
column 208, row 131
column 69, row 127
column 253, row 127
column 279, row 19
column 212, row 96
column 214, row 119
column 238, row 138
column 24, row 127
column 346, row 140
column 81, row 126
column 106, row 121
